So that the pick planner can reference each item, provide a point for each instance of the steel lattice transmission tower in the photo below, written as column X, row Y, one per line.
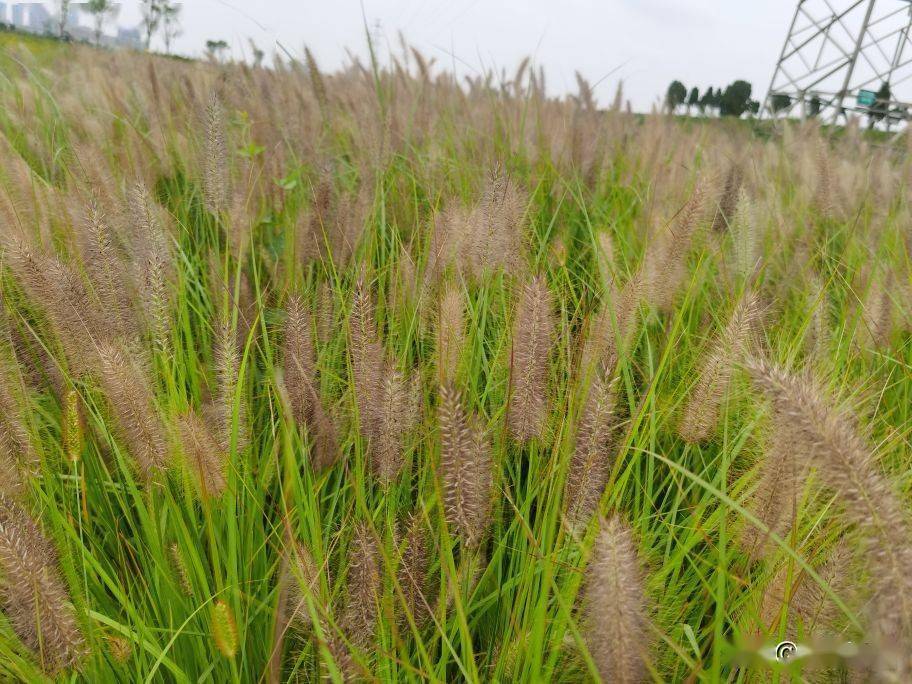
column 838, row 54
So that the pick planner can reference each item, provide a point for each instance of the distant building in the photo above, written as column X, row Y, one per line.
column 73, row 16
column 129, row 37
column 39, row 17
column 30, row 16
column 34, row 17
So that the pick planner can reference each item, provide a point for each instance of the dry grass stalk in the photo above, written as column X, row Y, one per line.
column 314, row 226
column 215, row 161
column 774, row 502
column 366, row 355
column 305, row 583
column 204, row 455
column 487, row 238
column 237, row 299
column 465, row 469
column 448, row 229
column 325, row 313
column 593, row 453
column 613, row 327
column 804, row 601
column 827, row 437
column 153, row 257
column 665, row 265
column 110, row 278
column 450, row 333
column 877, row 313
column 701, row 414
column 316, row 82
column 533, row 333
column 387, row 398
column 298, row 360
column 413, row 574
column 363, row 587
column 818, row 338
column 823, row 193
column 728, row 200
column 230, row 411
column 331, row 228
column 298, row 587
column 62, row 295
column 300, row 378
column 34, row 597
column 407, row 286
column 745, row 235
column 180, row 569
column 395, row 416
column 18, row 457
column 616, row 605
column 496, row 240
column 132, row 402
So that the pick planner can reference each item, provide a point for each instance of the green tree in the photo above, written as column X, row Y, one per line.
column 63, row 14
column 717, row 100
column 151, row 13
column 779, row 102
column 675, row 96
column 258, row 54
column 170, row 23
column 100, row 11
column 693, row 100
column 215, row 49
column 814, row 107
column 881, row 106
column 706, row 102
column 736, row 99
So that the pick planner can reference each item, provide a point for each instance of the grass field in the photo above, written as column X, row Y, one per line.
column 376, row 376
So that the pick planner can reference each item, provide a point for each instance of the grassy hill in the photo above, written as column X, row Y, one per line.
column 376, row 376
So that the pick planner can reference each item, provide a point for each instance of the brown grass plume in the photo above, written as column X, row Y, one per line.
column 593, row 453
column 616, row 605
column 533, row 334
column 827, row 438
column 465, row 469
column 35, row 598
column 130, row 397
column 701, row 414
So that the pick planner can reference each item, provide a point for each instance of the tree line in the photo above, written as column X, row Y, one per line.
column 735, row 100
column 158, row 18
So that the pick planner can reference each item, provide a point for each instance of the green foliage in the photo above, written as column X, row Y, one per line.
column 881, row 106
column 173, row 584
column 675, row 96
column 736, row 99
column 780, row 101
column 814, row 106
column 708, row 101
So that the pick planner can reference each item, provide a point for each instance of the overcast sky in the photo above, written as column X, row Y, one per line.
column 647, row 43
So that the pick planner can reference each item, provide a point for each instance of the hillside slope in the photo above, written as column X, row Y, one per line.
column 373, row 375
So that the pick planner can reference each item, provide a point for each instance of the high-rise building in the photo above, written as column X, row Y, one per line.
column 36, row 18
column 129, row 37
column 39, row 18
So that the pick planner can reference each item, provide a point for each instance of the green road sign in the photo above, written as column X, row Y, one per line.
column 866, row 97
